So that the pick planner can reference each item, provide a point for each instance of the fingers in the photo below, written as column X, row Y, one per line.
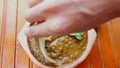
column 36, row 13
column 56, row 26
column 46, row 9
column 37, row 30
column 32, row 3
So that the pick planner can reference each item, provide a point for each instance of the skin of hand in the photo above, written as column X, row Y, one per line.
column 67, row 16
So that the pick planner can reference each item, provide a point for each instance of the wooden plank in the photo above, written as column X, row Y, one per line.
column 115, row 34
column 1, row 15
column 22, row 60
column 9, row 36
column 84, row 64
column 31, row 64
column 1, row 20
column 106, row 49
column 35, row 66
column 95, row 57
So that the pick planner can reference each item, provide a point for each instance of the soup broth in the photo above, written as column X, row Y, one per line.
column 62, row 49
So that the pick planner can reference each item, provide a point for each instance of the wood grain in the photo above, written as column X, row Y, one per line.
column 34, row 66
column 114, row 26
column 108, row 56
column 9, row 35
column 84, row 64
column 1, row 20
column 22, row 60
column 95, row 56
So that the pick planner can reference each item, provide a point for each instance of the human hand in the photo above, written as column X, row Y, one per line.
column 68, row 16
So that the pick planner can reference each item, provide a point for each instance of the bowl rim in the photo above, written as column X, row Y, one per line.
column 22, row 38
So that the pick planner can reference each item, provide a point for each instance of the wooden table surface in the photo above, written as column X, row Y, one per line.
column 105, row 53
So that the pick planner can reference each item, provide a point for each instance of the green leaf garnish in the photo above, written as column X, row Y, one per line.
column 77, row 35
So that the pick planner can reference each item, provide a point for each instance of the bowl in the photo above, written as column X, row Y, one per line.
column 22, row 38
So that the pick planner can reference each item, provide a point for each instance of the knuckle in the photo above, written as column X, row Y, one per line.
column 27, row 16
column 55, row 29
column 87, row 12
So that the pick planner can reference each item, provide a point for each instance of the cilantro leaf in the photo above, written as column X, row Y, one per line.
column 76, row 35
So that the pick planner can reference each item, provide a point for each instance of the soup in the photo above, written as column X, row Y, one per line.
column 61, row 50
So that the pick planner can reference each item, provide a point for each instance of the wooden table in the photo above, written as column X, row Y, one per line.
column 105, row 53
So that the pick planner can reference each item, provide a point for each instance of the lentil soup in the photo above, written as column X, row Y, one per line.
column 62, row 49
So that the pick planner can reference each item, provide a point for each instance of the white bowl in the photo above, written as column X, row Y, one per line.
column 23, row 41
